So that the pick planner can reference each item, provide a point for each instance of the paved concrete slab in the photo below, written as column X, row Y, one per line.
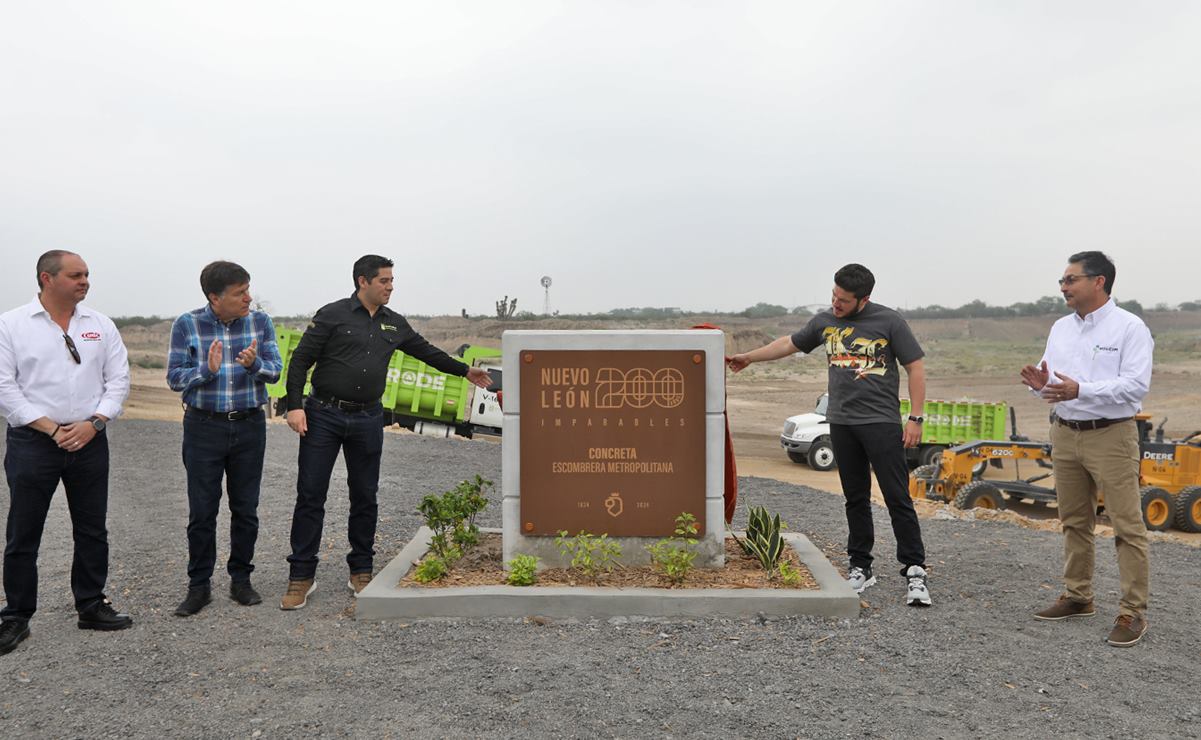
column 383, row 600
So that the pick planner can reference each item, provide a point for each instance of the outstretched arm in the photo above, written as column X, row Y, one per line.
column 781, row 347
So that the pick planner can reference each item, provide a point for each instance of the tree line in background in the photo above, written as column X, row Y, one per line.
column 1047, row 305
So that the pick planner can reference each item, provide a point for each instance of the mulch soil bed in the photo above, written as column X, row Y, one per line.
column 483, row 566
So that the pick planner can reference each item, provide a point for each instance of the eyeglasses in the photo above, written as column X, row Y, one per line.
column 71, row 348
column 1070, row 279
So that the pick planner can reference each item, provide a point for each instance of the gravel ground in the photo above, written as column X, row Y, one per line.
column 973, row 665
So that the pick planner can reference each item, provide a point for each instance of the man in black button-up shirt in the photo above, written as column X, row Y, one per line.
column 351, row 341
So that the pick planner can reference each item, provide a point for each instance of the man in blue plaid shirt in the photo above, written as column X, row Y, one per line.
column 222, row 357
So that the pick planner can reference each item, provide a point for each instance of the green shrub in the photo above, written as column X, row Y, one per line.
column 590, row 554
column 523, row 571
column 789, row 575
column 451, row 516
column 675, row 555
column 432, row 568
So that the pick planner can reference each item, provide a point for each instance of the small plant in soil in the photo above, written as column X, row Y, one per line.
column 789, row 575
column 590, row 554
column 763, row 540
column 674, row 555
column 431, row 568
column 451, row 517
column 523, row 571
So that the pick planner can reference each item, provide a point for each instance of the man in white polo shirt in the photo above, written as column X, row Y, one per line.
column 1096, row 371
column 64, row 374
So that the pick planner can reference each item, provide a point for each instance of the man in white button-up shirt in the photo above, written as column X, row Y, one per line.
column 64, row 374
column 1096, row 371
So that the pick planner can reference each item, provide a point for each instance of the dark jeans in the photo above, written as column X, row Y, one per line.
column 360, row 435
column 34, row 465
column 213, row 448
column 859, row 449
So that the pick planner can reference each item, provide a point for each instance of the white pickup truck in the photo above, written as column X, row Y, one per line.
column 806, row 437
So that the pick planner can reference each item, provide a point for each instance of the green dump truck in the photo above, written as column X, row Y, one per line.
column 422, row 398
column 806, row 437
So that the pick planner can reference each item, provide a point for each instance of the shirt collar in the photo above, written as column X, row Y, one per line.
column 211, row 315
column 1098, row 315
column 35, row 307
column 356, row 304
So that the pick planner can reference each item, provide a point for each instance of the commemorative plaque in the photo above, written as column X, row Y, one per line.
column 612, row 441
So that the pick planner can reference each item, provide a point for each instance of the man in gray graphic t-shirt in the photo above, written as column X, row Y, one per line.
column 864, row 344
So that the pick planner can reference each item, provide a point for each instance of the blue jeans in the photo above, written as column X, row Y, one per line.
column 360, row 436
column 860, row 449
column 34, row 465
column 213, row 448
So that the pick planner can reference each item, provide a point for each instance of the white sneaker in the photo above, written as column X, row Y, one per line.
column 860, row 579
column 918, row 594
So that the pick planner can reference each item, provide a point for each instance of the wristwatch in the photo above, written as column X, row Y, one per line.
column 98, row 423
column 917, row 419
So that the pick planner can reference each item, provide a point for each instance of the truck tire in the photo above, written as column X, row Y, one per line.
column 980, row 494
column 930, row 455
column 1188, row 509
column 1158, row 508
column 799, row 458
column 929, row 472
column 821, row 455
column 978, row 469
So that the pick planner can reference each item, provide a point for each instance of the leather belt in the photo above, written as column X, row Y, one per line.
column 350, row 406
column 1087, row 424
column 226, row 415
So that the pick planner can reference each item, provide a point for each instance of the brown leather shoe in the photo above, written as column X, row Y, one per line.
column 1127, row 630
column 1065, row 608
column 298, row 594
column 358, row 582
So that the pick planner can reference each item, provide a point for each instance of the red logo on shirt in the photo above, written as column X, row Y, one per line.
column 91, row 336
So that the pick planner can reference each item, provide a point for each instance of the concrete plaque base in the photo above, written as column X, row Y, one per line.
column 382, row 599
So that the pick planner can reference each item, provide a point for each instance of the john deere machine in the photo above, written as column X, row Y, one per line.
column 1169, row 472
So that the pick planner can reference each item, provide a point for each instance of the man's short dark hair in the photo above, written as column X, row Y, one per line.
column 368, row 266
column 219, row 275
column 856, row 280
column 51, row 262
column 1096, row 263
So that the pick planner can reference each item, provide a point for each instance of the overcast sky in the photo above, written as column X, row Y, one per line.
column 707, row 155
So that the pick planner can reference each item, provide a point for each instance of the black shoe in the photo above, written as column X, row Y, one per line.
column 243, row 593
column 198, row 597
column 103, row 617
column 12, row 632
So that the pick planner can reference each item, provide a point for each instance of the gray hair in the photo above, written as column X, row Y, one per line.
column 51, row 262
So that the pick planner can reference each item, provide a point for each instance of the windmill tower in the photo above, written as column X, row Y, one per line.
column 546, row 286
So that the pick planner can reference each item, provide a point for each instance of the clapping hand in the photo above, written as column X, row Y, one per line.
column 247, row 356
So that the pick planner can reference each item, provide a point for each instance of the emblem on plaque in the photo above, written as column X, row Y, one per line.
column 614, row 505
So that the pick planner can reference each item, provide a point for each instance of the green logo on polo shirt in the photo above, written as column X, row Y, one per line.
column 387, row 327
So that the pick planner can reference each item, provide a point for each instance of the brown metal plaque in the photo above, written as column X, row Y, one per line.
column 612, row 441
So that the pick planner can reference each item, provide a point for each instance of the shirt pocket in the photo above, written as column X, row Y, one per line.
column 1104, row 365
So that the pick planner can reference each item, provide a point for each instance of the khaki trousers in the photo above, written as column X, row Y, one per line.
column 1105, row 459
